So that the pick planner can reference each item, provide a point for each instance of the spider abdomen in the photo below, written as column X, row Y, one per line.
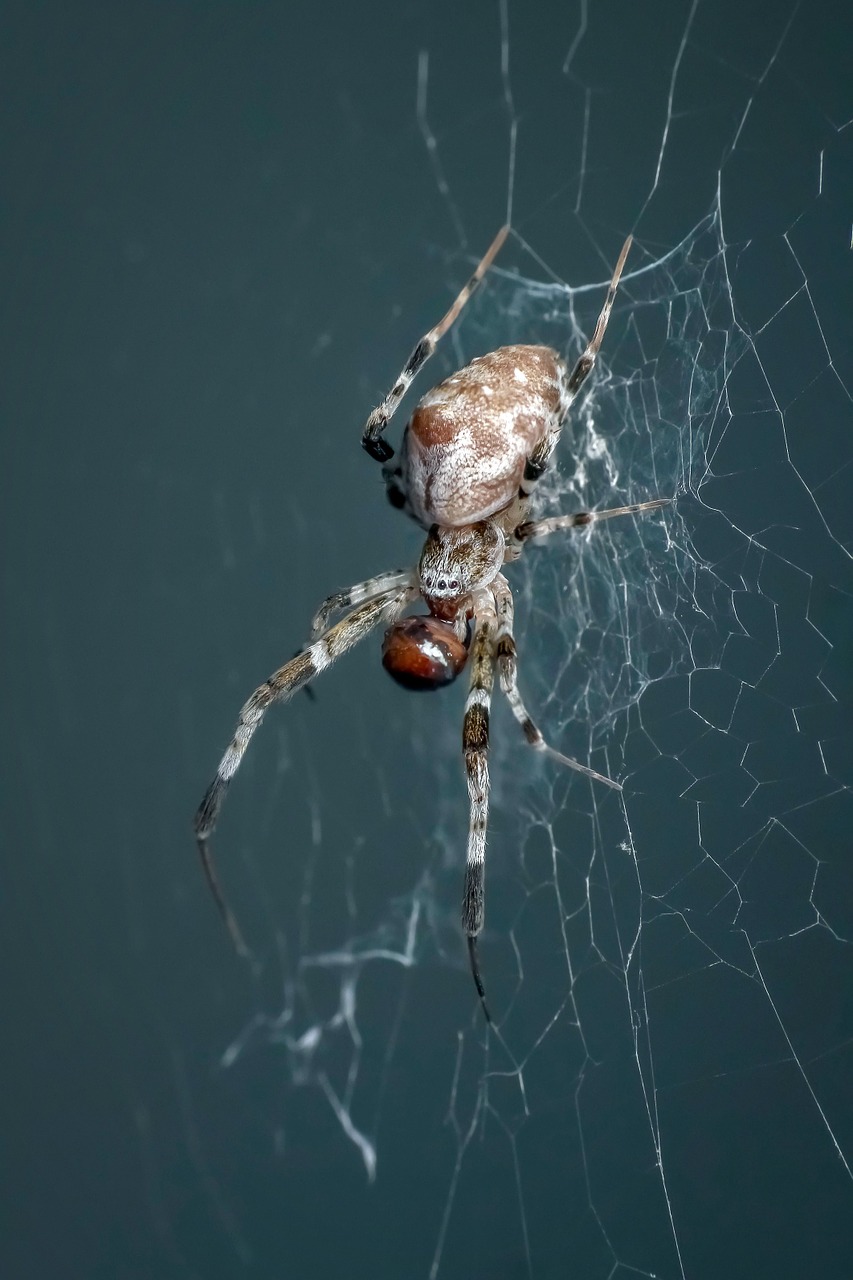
column 466, row 446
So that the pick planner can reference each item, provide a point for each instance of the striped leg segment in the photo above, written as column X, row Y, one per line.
column 377, row 422
column 580, row 520
column 281, row 685
column 508, row 675
column 583, row 368
column 356, row 595
column 475, row 745
column 571, row 383
column 537, row 464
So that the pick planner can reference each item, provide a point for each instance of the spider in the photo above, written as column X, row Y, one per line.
column 471, row 456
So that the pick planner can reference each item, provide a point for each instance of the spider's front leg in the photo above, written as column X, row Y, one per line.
column 475, row 745
column 357, row 594
column 282, row 684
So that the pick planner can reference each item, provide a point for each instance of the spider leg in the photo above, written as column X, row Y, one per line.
column 587, row 358
column 475, row 745
column 294, row 675
column 580, row 519
column 377, row 422
column 508, row 676
column 356, row 594
column 537, row 463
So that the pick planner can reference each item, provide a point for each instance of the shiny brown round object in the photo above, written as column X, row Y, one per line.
column 423, row 653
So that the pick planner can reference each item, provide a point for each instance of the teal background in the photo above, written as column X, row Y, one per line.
column 221, row 234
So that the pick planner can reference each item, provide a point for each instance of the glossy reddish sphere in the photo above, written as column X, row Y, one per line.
column 423, row 653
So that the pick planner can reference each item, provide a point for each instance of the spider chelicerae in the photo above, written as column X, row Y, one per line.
column 471, row 456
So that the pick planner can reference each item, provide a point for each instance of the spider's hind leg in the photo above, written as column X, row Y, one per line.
column 571, row 383
column 538, row 462
column 395, row 490
column 371, row 438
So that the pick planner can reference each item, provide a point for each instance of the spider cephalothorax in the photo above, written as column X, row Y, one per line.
column 429, row 652
column 471, row 456
column 454, row 562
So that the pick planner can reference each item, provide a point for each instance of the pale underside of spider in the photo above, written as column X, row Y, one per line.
column 470, row 459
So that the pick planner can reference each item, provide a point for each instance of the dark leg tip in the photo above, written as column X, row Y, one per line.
column 475, row 973
column 204, row 853
column 208, row 811
column 377, row 448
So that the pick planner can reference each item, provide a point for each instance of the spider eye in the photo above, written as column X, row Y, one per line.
column 423, row 653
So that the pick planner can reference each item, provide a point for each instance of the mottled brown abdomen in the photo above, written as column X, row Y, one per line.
column 468, row 440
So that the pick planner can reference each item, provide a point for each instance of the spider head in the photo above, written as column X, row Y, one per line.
column 454, row 562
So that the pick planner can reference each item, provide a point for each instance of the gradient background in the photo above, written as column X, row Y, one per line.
column 221, row 235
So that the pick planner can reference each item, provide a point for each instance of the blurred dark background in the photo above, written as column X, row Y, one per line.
column 221, row 234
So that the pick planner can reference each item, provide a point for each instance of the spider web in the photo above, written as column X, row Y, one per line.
column 669, row 967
